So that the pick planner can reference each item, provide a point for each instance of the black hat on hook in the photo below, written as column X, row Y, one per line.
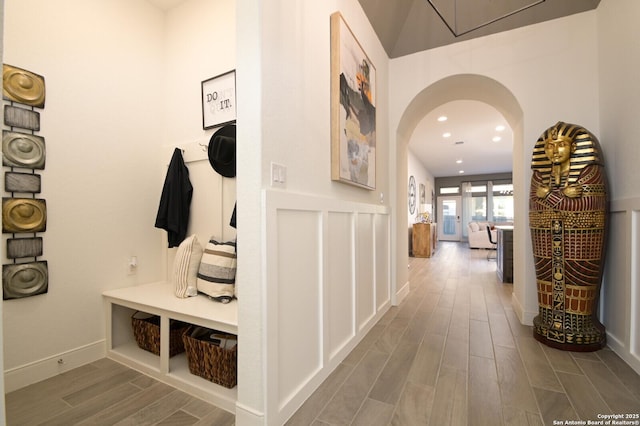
column 222, row 151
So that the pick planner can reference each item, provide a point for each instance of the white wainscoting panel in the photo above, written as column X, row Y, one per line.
column 340, row 283
column 327, row 283
column 620, row 298
column 365, row 281
column 382, row 261
column 299, row 248
column 615, row 312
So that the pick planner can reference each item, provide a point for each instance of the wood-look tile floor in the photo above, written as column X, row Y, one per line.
column 453, row 353
column 108, row 393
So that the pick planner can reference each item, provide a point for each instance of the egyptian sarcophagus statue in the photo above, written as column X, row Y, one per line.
column 568, row 204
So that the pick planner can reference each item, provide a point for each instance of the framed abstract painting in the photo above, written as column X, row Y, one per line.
column 353, row 109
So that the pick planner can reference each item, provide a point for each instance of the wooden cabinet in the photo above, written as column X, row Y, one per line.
column 424, row 239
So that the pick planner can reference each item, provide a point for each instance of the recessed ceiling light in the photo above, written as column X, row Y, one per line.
column 500, row 128
column 442, row 118
column 461, row 172
column 497, row 139
column 458, row 161
column 446, row 135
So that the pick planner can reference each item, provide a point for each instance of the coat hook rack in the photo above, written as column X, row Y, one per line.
column 205, row 147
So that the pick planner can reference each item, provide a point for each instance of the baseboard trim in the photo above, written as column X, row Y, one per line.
column 526, row 318
column 623, row 351
column 27, row 374
column 248, row 416
column 402, row 293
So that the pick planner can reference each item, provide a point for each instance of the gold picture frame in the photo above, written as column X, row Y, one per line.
column 353, row 109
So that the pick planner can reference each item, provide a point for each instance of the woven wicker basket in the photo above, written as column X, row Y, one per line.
column 146, row 330
column 209, row 360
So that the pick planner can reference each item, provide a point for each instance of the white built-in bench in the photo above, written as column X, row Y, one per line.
column 158, row 299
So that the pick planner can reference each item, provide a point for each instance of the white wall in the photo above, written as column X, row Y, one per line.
column 100, row 132
column 524, row 61
column 199, row 43
column 296, row 104
column 123, row 89
column 284, row 92
column 148, row 75
column 102, row 63
column 577, row 69
column 619, row 56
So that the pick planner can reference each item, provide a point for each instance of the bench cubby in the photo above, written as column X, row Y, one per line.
column 158, row 299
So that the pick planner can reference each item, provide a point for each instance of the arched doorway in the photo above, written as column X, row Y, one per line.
column 460, row 87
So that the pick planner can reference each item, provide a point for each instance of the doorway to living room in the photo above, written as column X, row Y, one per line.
column 456, row 87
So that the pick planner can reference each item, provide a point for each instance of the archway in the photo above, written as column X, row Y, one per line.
column 452, row 88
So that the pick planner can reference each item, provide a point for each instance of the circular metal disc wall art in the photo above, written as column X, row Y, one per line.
column 23, row 215
column 24, row 279
column 23, row 150
column 22, row 86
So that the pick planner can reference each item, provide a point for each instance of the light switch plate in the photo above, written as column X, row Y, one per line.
column 278, row 175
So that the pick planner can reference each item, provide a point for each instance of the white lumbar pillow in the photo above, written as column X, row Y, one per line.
column 185, row 267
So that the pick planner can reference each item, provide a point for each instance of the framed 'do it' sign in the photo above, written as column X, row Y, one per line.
column 219, row 100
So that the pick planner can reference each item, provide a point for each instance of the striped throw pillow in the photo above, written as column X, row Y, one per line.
column 185, row 267
column 217, row 273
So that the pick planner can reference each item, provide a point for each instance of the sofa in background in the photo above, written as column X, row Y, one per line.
column 478, row 237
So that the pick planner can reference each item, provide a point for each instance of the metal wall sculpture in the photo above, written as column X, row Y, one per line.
column 22, row 86
column 24, row 279
column 22, row 150
column 568, row 205
column 23, row 215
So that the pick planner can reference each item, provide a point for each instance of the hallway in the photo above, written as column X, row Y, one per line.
column 454, row 353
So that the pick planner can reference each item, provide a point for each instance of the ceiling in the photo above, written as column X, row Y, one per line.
column 409, row 26
column 470, row 148
column 472, row 128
